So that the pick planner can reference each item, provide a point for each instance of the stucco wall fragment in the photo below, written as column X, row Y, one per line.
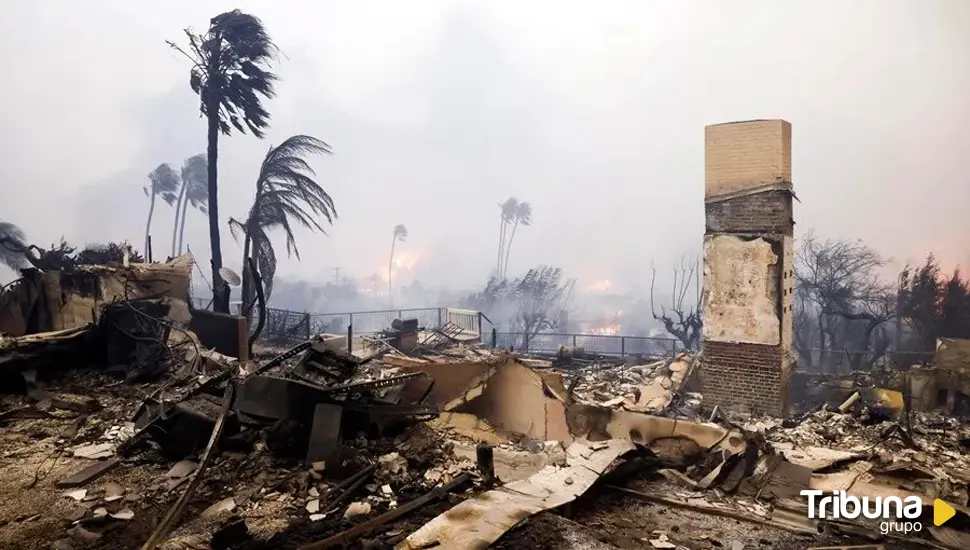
column 741, row 290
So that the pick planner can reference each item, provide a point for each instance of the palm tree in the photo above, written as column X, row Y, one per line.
column 230, row 72
column 13, row 242
column 285, row 193
column 522, row 215
column 194, row 190
column 508, row 214
column 400, row 234
column 164, row 182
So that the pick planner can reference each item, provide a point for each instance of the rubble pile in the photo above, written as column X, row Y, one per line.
column 128, row 431
column 649, row 387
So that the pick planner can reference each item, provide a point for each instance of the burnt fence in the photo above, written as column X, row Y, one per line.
column 285, row 326
column 618, row 346
column 291, row 326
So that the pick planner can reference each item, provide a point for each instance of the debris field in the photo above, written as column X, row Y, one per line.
column 129, row 432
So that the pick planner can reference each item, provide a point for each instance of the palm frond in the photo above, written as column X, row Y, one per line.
column 230, row 70
column 523, row 213
column 509, row 208
column 237, row 228
column 287, row 196
column 164, row 182
column 13, row 241
column 195, row 178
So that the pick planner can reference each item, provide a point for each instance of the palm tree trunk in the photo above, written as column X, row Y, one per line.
column 178, row 208
column 390, row 271
column 220, row 296
column 247, row 275
column 185, row 209
column 148, row 226
column 501, row 245
column 508, row 249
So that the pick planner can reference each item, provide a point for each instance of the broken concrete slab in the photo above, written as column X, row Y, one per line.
column 94, row 451
column 511, row 465
column 468, row 426
column 223, row 507
column 815, row 458
column 182, row 469
column 479, row 521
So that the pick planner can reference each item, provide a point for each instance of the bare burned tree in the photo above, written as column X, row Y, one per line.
column 681, row 318
column 843, row 304
column 540, row 298
column 529, row 305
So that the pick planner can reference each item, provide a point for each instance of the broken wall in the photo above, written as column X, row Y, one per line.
column 72, row 298
column 953, row 381
column 741, row 290
column 61, row 300
column 505, row 393
column 748, row 266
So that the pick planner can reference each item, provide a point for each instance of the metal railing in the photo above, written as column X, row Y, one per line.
column 287, row 326
column 370, row 322
column 619, row 346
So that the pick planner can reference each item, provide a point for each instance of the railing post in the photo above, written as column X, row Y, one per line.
column 494, row 337
column 400, row 314
column 622, row 346
column 574, row 340
column 440, row 324
column 350, row 339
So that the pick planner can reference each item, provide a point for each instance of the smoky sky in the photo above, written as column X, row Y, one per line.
column 439, row 110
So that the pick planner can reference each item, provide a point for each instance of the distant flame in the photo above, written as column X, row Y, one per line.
column 600, row 286
column 403, row 264
column 611, row 328
column 608, row 330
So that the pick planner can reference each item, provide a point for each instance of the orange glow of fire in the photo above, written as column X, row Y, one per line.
column 612, row 328
column 600, row 286
column 608, row 330
column 403, row 264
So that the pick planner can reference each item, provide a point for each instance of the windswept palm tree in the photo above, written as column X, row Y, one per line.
column 164, row 182
column 508, row 209
column 400, row 234
column 285, row 193
column 231, row 73
column 194, row 191
column 522, row 215
column 13, row 242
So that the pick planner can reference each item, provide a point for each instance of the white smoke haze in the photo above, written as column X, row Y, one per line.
column 439, row 110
